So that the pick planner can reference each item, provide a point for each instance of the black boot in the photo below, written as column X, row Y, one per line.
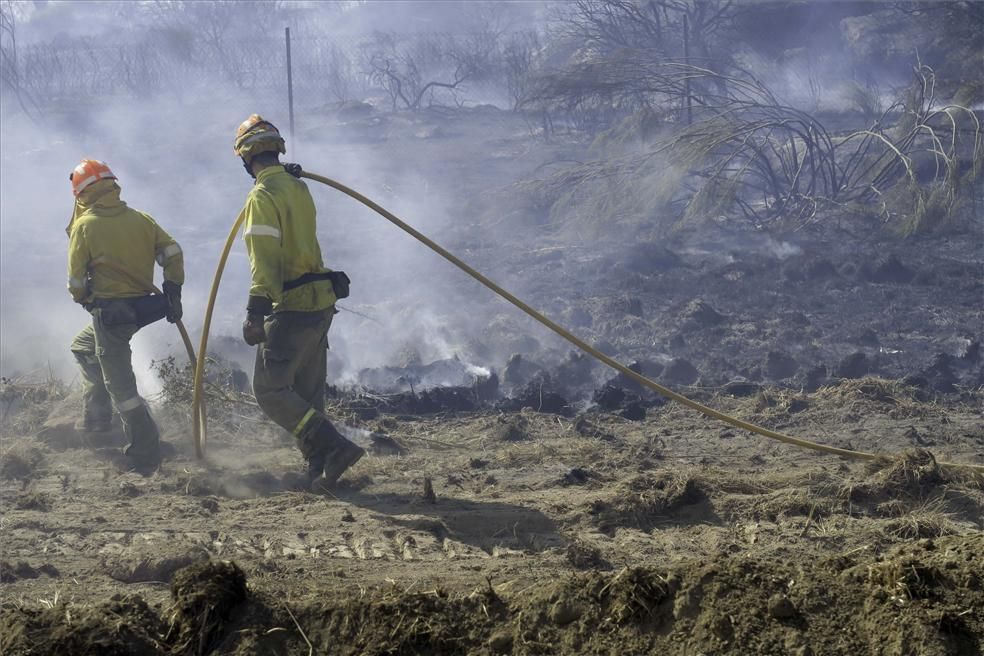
column 338, row 462
column 328, row 454
column 315, row 469
column 144, row 450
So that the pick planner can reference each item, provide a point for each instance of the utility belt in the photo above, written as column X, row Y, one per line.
column 339, row 282
column 141, row 310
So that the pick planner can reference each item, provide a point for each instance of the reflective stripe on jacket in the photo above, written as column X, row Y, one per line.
column 105, row 228
column 282, row 242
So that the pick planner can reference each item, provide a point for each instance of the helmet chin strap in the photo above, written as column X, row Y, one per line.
column 248, row 168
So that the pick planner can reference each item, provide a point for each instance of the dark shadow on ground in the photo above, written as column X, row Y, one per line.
column 484, row 524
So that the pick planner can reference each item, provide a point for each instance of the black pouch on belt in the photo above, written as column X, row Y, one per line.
column 115, row 311
column 339, row 283
column 149, row 309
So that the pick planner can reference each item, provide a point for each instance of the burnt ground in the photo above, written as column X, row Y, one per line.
column 798, row 312
column 555, row 508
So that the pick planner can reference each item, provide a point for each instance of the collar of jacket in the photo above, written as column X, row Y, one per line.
column 270, row 170
column 104, row 203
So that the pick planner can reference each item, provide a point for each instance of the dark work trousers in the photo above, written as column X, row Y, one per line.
column 291, row 365
column 102, row 350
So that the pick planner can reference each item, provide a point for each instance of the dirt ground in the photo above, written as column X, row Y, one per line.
column 545, row 534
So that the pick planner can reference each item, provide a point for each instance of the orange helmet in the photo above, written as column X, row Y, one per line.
column 88, row 172
column 256, row 135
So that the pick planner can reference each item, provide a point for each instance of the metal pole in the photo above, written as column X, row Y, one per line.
column 290, row 85
column 686, row 60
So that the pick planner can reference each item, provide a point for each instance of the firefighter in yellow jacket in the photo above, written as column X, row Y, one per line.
column 291, row 304
column 111, row 255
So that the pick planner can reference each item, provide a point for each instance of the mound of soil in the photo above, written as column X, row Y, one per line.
column 609, row 397
column 539, row 397
column 22, row 570
column 427, row 402
column 124, row 626
column 681, row 372
column 889, row 270
column 406, row 623
column 855, row 365
column 703, row 314
column 204, row 594
column 920, row 598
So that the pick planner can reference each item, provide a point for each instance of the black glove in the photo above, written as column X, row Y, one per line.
column 293, row 169
column 174, row 311
column 253, row 331
column 256, row 309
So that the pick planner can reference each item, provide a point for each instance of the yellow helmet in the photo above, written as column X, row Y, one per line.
column 257, row 135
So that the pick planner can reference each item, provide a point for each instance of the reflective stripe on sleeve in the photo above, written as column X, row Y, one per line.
column 304, row 421
column 130, row 404
column 167, row 253
column 76, row 283
column 262, row 231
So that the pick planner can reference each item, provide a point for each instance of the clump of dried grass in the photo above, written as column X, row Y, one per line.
column 928, row 520
column 860, row 394
column 913, row 473
column 772, row 405
column 641, row 501
column 19, row 461
column 204, row 596
column 25, row 401
column 633, row 595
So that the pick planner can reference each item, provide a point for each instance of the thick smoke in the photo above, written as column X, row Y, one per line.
column 172, row 151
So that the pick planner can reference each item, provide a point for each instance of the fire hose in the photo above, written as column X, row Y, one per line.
column 556, row 328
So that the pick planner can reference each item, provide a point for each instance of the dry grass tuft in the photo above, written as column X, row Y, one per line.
column 633, row 595
column 913, row 473
column 893, row 397
column 929, row 520
column 19, row 461
column 25, row 401
column 643, row 500
column 204, row 596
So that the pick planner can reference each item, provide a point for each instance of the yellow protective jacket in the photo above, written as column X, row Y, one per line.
column 282, row 242
column 105, row 228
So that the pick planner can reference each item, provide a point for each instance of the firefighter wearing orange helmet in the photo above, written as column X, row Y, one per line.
column 291, row 304
column 104, row 230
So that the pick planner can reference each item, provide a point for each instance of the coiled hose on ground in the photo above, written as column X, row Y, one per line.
column 197, row 403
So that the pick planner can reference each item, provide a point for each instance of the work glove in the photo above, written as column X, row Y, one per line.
column 174, row 311
column 253, row 331
column 256, row 309
column 293, row 169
